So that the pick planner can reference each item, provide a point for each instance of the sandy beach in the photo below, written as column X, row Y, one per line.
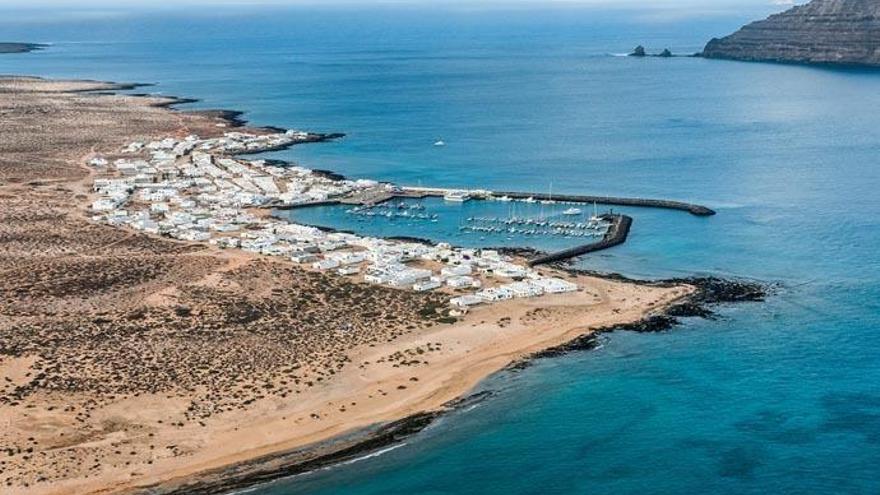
column 130, row 361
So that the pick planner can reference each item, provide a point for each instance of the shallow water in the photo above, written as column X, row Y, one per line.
column 777, row 397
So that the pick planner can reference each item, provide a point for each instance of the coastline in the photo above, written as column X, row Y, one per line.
column 453, row 386
column 484, row 342
column 709, row 293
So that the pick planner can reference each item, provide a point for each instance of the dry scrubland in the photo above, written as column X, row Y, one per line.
column 128, row 360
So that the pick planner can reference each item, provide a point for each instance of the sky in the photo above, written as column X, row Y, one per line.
column 645, row 4
column 24, row 12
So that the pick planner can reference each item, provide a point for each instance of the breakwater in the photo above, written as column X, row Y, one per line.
column 693, row 209
column 370, row 198
column 616, row 235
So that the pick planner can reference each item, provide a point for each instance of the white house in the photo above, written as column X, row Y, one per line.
column 525, row 289
column 348, row 270
column 104, row 204
column 466, row 301
column 495, row 294
column 325, row 264
column 461, row 282
column 426, row 285
column 555, row 285
column 302, row 257
column 456, row 270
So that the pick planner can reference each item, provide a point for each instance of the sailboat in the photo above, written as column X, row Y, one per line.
column 439, row 143
column 549, row 200
column 595, row 218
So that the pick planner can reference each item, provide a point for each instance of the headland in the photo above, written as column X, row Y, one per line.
column 820, row 32
column 142, row 357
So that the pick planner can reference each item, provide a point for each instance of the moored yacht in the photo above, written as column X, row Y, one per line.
column 457, row 196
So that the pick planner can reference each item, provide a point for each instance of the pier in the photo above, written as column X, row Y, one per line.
column 616, row 235
column 693, row 209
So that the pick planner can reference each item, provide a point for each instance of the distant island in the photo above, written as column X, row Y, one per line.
column 838, row 32
column 7, row 47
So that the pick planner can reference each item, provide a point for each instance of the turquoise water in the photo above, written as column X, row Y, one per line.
column 779, row 397
column 458, row 223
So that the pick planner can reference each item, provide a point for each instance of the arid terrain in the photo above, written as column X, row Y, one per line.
column 129, row 360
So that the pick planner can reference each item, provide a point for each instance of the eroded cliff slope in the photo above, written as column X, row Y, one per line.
column 843, row 32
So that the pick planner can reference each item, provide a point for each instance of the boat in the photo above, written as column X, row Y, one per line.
column 504, row 198
column 529, row 200
column 572, row 211
column 457, row 196
column 596, row 219
column 549, row 200
column 439, row 143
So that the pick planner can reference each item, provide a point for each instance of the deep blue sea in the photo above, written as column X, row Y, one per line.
column 779, row 397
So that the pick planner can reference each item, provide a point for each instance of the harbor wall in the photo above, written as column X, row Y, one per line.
column 616, row 235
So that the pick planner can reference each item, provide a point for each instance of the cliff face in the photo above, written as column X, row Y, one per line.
column 820, row 32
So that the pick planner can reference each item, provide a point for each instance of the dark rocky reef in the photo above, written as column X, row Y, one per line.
column 523, row 252
column 233, row 118
column 328, row 174
column 711, row 292
column 831, row 32
column 10, row 47
column 408, row 238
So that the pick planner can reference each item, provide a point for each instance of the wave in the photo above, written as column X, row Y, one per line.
column 367, row 456
column 262, row 486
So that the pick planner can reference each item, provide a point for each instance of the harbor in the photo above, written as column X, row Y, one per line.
column 547, row 222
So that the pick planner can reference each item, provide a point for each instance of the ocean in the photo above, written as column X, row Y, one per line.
column 774, row 397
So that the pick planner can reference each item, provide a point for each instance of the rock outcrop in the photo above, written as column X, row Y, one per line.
column 6, row 47
column 639, row 51
column 842, row 32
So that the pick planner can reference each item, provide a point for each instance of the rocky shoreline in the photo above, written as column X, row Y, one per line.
column 323, row 455
column 711, row 292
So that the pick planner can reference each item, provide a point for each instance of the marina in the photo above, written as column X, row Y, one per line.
column 481, row 218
